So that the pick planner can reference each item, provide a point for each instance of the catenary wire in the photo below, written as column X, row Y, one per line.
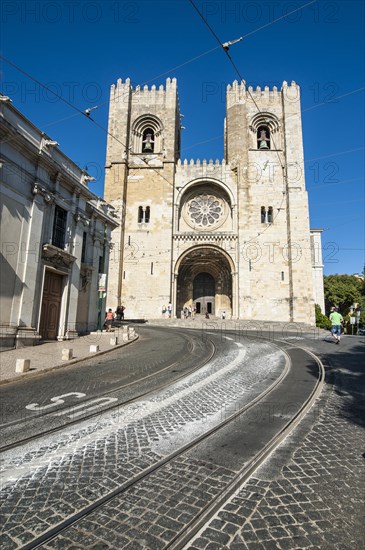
column 257, row 107
column 81, row 112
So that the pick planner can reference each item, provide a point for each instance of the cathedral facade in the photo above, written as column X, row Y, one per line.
column 229, row 238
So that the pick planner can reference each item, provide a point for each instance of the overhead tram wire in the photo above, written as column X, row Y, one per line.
column 105, row 130
column 334, row 100
column 83, row 112
column 225, row 49
column 214, row 49
column 186, row 62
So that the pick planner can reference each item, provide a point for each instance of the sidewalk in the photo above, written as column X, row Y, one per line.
column 48, row 356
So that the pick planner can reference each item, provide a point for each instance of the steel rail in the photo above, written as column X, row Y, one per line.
column 189, row 531
column 107, row 408
column 72, row 520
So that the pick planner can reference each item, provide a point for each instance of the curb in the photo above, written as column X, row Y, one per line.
column 66, row 363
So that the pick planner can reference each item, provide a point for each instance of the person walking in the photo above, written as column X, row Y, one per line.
column 336, row 320
column 118, row 313
column 109, row 320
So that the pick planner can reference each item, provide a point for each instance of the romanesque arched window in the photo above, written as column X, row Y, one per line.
column 144, row 214
column 265, row 132
column 267, row 214
column 147, row 135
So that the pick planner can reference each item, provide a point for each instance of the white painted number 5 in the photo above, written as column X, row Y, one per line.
column 58, row 400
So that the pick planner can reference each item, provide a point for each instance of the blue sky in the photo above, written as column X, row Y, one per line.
column 80, row 48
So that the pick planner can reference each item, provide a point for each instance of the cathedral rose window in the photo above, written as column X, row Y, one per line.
column 205, row 210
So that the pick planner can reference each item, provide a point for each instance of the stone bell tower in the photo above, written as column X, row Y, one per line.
column 142, row 150
column 264, row 145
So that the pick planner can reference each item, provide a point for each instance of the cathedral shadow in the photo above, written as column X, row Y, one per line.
column 346, row 373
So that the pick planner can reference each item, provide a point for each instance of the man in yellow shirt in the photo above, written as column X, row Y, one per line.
column 336, row 320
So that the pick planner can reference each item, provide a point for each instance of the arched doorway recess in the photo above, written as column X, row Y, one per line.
column 204, row 280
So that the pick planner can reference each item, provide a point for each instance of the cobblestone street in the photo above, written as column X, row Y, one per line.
column 307, row 494
column 68, row 472
column 310, row 492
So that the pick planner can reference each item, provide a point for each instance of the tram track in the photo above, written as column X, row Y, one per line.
column 182, row 536
column 191, row 339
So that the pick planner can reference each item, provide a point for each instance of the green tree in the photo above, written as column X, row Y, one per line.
column 342, row 291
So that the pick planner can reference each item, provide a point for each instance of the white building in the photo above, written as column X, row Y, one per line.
column 55, row 239
column 227, row 237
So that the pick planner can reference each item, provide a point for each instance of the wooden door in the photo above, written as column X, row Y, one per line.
column 51, row 306
column 204, row 293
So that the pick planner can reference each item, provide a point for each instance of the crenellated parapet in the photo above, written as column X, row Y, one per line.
column 194, row 169
column 240, row 93
column 120, row 92
column 193, row 172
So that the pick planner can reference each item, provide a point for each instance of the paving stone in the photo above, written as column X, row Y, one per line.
column 216, row 536
column 230, row 517
column 200, row 543
column 315, row 501
column 230, row 529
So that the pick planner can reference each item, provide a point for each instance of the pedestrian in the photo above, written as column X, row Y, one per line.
column 223, row 314
column 109, row 319
column 122, row 313
column 193, row 311
column 164, row 309
column 169, row 309
column 118, row 313
column 189, row 311
column 336, row 320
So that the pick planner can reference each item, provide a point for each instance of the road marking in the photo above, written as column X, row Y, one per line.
column 88, row 406
column 58, row 400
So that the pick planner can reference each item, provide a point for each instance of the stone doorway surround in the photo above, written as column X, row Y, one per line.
column 200, row 264
column 51, row 305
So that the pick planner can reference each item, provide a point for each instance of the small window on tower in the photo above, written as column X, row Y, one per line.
column 263, row 138
column 263, row 214
column 147, row 215
column 140, row 214
column 143, row 214
column 148, row 141
column 270, row 215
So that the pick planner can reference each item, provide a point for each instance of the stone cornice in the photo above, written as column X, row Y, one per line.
column 57, row 256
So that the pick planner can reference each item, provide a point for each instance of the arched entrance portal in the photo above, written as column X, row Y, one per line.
column 204, row 280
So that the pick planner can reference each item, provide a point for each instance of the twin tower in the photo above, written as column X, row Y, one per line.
column 229, row 238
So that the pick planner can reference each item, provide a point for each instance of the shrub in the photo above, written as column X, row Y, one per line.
column 321, row 320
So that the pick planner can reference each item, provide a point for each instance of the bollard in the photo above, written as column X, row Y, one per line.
column 67, row 354
column 125, row 333
column 114, row 341
column 94, row 349
column 22, row 365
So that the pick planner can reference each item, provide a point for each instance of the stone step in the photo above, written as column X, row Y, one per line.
column 247, row 324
